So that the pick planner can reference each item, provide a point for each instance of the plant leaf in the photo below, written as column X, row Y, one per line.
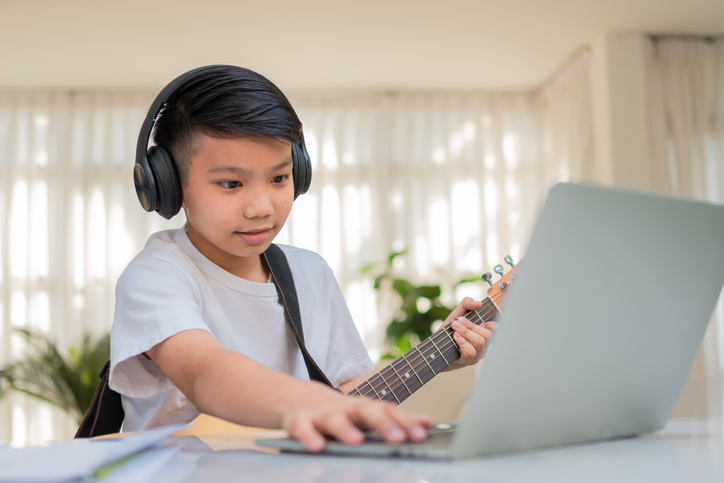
column 367, row 268
column 391, row 257
column 68, row 383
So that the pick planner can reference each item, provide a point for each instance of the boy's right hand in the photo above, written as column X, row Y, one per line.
column 343, row 418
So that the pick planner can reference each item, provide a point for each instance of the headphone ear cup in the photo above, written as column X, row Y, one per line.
column 145, row 185
column 168, row 182
column 301, row 169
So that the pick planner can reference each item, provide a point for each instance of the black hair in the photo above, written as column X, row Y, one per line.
column 229, row 102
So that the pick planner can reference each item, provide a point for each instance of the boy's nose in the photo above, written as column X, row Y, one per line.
column 258, row 204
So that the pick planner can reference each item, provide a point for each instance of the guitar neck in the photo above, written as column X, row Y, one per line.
column 415, row 368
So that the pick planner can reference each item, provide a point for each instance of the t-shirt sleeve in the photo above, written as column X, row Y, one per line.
column 154, row 301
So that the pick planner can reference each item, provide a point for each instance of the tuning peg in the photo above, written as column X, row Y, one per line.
column 509, row 260
column 499, row 270
column 488, row 277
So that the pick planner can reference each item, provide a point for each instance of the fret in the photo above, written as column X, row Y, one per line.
column 478, row 316
column 407, row 373
column 401, row 380
column 373, row 388
column 450, row 351
column 441, row 343
column 388, row 387
column 432, row 339
column 434, row 358
column 447, row 331
column 422, row 383
column 428, row 364
column 497, row 309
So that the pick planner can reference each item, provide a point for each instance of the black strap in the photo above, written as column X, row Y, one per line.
column 105, row 415
column 281, row 275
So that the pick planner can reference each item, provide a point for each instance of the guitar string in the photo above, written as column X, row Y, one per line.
column 377, row 383
column 420, row 357
column 417, row 362
column 422, row 347
column 414, row 361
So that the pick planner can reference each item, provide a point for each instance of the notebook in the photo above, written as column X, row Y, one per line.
column 600, row 328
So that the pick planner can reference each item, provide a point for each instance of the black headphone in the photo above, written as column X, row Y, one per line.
column 155, row 175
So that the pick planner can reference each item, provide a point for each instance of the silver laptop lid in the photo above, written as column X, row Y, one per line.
column 603, row 321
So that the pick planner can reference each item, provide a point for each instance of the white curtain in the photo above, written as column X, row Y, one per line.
column 456, row 178
column 566, row 123
column 686, row 107
column 453, row 178
column 69, row 223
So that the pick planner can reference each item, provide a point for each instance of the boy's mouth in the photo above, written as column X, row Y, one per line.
column 255, row 236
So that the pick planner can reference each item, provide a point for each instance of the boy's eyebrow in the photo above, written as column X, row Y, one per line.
column 239, row 170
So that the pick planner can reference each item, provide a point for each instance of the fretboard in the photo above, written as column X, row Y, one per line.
column 415, row 368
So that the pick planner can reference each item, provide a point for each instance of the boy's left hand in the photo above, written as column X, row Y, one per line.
column 472, row 339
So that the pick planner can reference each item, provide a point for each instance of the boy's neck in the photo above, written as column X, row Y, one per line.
column 251, row 268
column 256, row 271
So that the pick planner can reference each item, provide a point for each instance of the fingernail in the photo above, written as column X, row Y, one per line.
column 457, row 335
column 352, row 436
column 418, row 433
column 455, row 324
column 394, row 433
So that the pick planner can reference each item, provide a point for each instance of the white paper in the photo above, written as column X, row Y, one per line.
column 73, row 460
column 143, row 466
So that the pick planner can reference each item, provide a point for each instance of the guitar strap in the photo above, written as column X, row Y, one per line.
column 105, row 414
column 281, row 275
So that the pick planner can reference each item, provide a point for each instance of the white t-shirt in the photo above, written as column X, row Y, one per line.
column 171, row 287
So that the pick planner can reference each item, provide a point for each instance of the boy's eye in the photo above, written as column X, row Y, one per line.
column 280, row 179
column 230, row 184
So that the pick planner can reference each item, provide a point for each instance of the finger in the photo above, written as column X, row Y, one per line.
column 414, row 425
column 302, row 429
column 376, row 417
column 481, row 329
column 472, row 333
column 466, row 305
column 393, row 424
column 467, row 351
column 471, row 339
column 340, row 427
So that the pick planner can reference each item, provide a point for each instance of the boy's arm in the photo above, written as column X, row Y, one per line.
column 234, row 387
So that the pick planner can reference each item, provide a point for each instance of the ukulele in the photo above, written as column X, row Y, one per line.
column 419, row 365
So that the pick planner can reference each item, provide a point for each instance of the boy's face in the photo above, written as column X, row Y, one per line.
column 237, row 196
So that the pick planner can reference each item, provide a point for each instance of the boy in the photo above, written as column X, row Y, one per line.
column 198, row 326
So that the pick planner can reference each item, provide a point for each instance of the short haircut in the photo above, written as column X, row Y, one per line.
column 230, row 102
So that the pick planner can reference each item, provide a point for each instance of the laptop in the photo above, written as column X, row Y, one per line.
column 599, row 331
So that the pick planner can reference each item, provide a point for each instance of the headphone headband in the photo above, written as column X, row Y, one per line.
column 155, row 174
column 144, row 136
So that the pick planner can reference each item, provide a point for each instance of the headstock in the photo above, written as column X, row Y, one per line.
column 498, row 289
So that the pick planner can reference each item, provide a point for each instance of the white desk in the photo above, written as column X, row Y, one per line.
column 687, row 450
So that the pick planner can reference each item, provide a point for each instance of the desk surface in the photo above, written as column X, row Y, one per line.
column 685, row 450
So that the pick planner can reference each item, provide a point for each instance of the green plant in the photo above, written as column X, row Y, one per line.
column 68, row 383
column 418, row 309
